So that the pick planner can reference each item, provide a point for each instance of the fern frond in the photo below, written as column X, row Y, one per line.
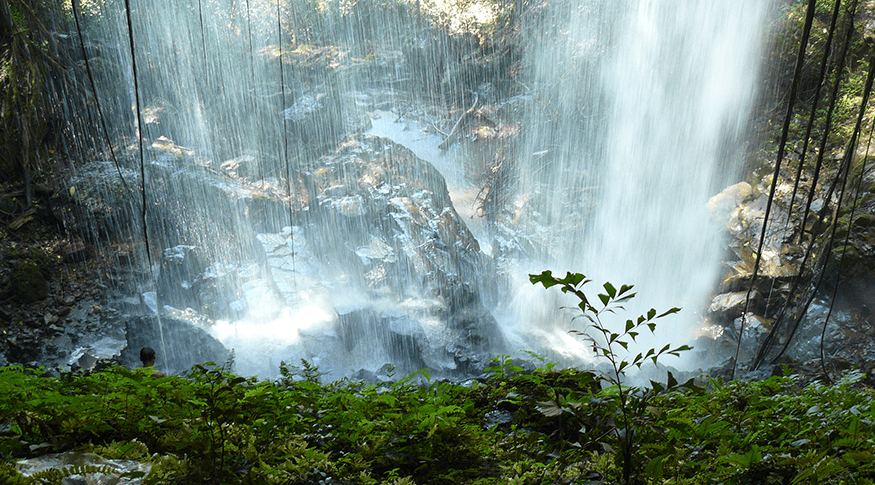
column 56, row 475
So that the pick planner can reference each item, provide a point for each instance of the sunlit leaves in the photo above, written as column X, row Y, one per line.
column 630, row 402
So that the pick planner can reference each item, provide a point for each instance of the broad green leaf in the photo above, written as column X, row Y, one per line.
column 546, row 278
column 573, row 279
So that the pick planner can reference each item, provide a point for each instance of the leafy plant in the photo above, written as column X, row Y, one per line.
column 630, row 402
column 504, row 366
column 556, row 426
column 28, row 59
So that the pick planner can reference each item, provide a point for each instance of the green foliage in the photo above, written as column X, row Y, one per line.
column 627, row 406
column 504, row 366
column 27, row 61
column 557, row 426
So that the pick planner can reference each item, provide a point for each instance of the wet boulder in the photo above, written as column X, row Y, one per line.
column 387, row 236
column 178, row 344
column 315, row 121
column 726, row 307
column 242, row 167
column 178, row 277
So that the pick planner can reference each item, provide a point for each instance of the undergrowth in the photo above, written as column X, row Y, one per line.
column 542, row 426
column 510, row 426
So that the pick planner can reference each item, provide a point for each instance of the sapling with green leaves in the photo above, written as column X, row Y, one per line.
column 606, row 342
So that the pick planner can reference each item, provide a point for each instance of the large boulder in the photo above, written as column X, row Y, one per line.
column 387, row 249
column 315, row 120
column 178, row 344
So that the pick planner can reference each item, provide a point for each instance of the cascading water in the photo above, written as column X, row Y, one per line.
column 300, row 244
column 641, row 118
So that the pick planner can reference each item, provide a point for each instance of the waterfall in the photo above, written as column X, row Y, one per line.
column 641, row 117
column 635, row 114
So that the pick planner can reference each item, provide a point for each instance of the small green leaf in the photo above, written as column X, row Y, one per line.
column 669, row 312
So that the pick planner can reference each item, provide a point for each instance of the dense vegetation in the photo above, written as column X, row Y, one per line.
column 513, row 425
column 542, row 426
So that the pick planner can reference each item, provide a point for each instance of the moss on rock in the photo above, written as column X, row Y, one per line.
column 28, row 282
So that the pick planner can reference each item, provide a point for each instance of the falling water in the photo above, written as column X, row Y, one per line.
column 635, row 115
column 642, row 118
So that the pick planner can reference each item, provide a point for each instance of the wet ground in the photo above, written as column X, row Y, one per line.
column 54, row 291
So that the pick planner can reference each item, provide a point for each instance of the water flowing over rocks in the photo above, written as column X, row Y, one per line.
column 375, row 262
column 315, row 120
column 387, row 258
column 274, row 224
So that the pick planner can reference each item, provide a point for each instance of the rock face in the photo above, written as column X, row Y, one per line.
column 385, row 235
column 741, row 208
column 357, row 260
column 786, row 278
column 315, row 120
column 182, row 343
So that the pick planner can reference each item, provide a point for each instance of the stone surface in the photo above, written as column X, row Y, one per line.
column 182, row 343
column 385, row 235
column 315, row 120
column 60, row 461
column 28, row 283
column 729, row 306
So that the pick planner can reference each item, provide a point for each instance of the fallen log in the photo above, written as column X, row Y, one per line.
column 454, row 132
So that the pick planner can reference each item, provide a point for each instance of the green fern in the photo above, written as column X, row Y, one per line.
column 56, row 475
column 11, row 476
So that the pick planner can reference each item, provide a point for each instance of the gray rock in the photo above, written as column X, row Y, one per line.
column 315, row 120
column 182, row 343
column 729, row 306
column 60, row 461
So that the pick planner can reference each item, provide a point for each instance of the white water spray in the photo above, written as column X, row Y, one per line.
column 644, row 122
column 635, row 116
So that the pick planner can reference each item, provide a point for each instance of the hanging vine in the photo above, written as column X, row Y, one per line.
column 821, row 237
